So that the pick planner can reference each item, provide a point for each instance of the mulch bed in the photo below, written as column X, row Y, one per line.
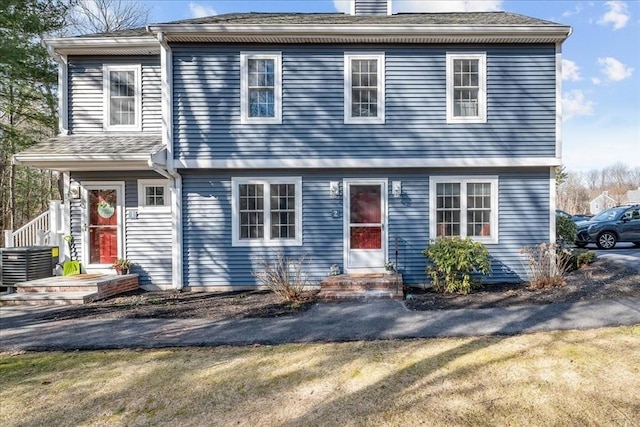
column 602, row 279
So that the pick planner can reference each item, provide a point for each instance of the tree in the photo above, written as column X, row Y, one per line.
column 27, row 102
column 103, row 16
column 561, row 175
column 579, row 188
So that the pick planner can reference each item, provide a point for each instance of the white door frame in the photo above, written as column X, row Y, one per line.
column 101, row 185
column 347, row 182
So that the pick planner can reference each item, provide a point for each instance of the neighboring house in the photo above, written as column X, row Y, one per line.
column 633, row 196
column 602, row 202
column 195, row 147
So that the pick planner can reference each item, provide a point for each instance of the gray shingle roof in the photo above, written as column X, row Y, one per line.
column 96, row 145
column 450, row 18
column 401, row 19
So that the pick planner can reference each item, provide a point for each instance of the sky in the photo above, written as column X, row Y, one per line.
column 601, row 62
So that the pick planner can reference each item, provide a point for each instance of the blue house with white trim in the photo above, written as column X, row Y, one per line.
column 196, row 147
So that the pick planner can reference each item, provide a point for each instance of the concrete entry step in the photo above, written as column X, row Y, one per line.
column 362, row 286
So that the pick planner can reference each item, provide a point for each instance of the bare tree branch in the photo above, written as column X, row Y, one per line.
column 103, row 16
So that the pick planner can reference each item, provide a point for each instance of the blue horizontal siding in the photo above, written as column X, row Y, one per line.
column 210, row 260
column 86, row 99
column 147, row 238
column 521, row 100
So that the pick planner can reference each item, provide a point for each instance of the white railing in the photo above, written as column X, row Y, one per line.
column 40, row 231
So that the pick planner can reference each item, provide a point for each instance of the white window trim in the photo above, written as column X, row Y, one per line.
column 244, row 87
column 106, row 90
column 463, row 181
column 348, row 57
column 142, row 184
column 482, row 90
column 266, row 241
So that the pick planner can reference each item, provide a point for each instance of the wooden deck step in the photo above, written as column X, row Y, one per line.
column 47, row 298
column 79, row 289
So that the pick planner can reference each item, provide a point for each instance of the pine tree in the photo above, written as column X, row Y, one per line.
column 28, row 81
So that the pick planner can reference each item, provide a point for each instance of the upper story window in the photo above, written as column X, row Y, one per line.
column 364, row 88
column 464, row 207
column 122, row 97
column 153, row 193
column 466, row 88
column 261, row 87
column 267, row 212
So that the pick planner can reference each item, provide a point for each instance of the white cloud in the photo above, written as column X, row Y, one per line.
column 614, row 69
column 596, row 81
column 618, row 14
column 200, row 10
column 575, row 103
column 570, row 71
column 576, row 10
column 417, row 6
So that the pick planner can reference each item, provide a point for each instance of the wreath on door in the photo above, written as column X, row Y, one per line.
column 106, row 209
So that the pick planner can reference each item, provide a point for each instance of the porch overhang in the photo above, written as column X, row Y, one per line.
column 96, row 153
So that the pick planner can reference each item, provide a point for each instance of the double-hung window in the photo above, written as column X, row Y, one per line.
column 267, row 211
column 466, row 88
column 261, row 87
column 364, row 88
column 122, row 97
column 464, row 207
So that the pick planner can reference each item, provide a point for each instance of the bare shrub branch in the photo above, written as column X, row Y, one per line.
column 547, row 265
column 282, row 275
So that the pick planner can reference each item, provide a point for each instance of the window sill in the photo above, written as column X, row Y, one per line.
column 265, row 243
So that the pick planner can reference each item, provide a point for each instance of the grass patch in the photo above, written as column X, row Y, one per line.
column 558, row 378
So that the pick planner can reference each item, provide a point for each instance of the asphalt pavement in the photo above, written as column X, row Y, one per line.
column 21, row 330
column 625, row 253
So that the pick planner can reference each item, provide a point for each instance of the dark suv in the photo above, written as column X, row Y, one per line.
column 613, row 225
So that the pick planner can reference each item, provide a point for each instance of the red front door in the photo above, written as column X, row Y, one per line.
column 103, row 225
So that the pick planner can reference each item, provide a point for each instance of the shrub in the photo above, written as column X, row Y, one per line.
column 547, row 265
column 453, row 260
column 566, row 230
column 582, row 257
column 283, row 276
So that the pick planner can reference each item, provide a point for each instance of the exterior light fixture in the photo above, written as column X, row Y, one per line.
column 396, row 188
column 334, row 189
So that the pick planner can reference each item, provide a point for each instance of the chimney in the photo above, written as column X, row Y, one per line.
column 370, row 7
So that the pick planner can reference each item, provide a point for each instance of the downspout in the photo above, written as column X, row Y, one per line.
column 175, row 179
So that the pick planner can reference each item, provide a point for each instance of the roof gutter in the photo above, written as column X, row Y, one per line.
column 85, row 45
column 556, row 32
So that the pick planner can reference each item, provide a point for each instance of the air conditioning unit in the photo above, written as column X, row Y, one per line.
column 27, row 263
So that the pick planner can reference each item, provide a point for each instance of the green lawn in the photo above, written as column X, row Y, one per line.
column 559, row 378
